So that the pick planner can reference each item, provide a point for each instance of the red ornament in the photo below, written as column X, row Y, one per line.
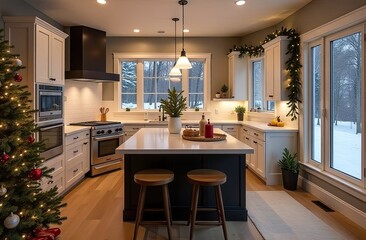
column 4, row 158
column 31, row 139
column 46, row 234
column 18, row 77
column 35, row 174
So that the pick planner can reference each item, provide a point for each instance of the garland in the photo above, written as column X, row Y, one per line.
column 293, row 65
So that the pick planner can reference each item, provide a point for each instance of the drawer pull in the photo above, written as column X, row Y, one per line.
column 256, row 134
column 230, row 128
column 50, row 182
column 85, row 143
column 52, row 79
column 76, row 138
column 87, row 134
column 135, row 128
column 76, row 170
column 270, row 95
column 245, row 130
column 76, row 151
column 255, row 142
column 247, row 138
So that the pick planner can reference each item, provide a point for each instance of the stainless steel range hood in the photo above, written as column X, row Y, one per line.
column 88, row 56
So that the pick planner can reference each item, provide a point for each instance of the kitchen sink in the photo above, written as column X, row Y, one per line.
column 158, row 122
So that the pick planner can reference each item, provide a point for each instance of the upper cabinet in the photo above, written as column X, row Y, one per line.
column 237, row 77
column 275, row 69
column 41, row 48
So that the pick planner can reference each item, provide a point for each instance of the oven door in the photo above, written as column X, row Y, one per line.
column 53, row 138
column 104, row 149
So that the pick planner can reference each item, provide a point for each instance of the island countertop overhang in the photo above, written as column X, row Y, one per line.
column 159, row 141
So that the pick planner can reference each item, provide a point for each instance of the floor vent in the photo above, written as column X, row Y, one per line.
column 323, row 206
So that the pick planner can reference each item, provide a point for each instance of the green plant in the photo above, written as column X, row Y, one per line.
column 289, row 161
column 128, row 109
column 196, row 109
column 175, row 104
column 224, row 88
column 240, row 109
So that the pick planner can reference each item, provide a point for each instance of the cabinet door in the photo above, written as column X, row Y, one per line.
column 247, row 141
column 277, row 72
column 43, row 53
column 57, row 60
column 261, row 163
column 237, row 77
column 268, row 61
column 86, row 155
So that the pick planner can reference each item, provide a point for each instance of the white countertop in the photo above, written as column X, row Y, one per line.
column 75, row 129
column 159, row 141
column 261, row 126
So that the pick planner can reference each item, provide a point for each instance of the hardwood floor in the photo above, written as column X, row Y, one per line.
column 95, row 207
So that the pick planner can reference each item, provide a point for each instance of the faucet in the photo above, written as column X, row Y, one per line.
column 162, row 118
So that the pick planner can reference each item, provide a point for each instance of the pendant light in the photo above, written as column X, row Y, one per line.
column 183, row 62
column 175, row 72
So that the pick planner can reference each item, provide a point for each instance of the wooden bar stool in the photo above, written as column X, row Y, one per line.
column 153, row 177
column 206, row 177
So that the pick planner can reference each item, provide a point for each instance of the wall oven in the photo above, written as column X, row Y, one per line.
column 49, row 102
column 52, row 134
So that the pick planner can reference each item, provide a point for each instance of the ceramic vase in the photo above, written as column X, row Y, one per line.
column 174, row 125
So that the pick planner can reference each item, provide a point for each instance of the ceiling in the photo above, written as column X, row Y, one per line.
column 204, row 18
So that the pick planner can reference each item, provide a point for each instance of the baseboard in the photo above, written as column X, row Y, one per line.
column 334, row 202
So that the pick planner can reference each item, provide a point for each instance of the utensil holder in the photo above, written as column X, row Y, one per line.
column 103, row 117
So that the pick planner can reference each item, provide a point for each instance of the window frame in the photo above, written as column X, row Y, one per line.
column 140, row 57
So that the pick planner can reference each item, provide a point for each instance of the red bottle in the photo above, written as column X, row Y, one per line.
column 208, row 130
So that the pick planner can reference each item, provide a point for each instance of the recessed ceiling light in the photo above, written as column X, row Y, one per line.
column 240, row 2
column 136, row 30
column 186, row 30
column 102, row 1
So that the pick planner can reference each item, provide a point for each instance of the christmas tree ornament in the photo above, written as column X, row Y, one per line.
column 11, row 221
column 17, row 62
column 54, row 232
column 18, row 77
column 35, row 174
column 4, row 157
column 3, row 190
column 31, row 139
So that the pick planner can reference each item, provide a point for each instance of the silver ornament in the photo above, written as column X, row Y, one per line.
column 3, row 191
column 11, row 221
column 17, row 62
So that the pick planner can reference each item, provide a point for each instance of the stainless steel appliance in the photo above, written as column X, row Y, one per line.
column 52, row 134
column 49, row 102
column 105, row 138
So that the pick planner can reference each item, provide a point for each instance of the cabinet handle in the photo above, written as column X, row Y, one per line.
column 245, row 130
column 52, row 79
column 50, row 182
column 87, row 134
column 85, row 143
column 270, row 95
column 256, row 134
column 255, row 142
column 135, row 128
column 76, row 170
column 247, row 138
column 76, row 138
column 76, row 151
column 230, row 128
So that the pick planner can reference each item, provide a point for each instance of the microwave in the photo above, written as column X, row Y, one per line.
column 49, row 102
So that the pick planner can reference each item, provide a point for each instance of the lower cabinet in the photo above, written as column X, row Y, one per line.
column 58, row 174
column 231, row 129
column 77, row 160
column 268, row 148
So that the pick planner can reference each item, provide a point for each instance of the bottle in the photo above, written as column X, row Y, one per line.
column 202, row 125
column 208, row 130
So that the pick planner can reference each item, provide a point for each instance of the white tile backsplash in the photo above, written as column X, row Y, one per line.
column 82, row 101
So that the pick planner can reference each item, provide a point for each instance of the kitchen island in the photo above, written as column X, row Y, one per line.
column 156, row 148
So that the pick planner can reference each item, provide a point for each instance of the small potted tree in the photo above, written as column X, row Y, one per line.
column 224, row 90
column 174, row 106
column 290, row 169
column 240, row 110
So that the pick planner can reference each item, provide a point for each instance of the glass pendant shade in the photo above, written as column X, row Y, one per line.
column 175, row 72
column 183, row 62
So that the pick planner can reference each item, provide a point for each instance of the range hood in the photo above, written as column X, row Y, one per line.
column 88, row 56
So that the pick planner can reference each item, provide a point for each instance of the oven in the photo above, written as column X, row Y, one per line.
column 49, row 102
column 105, row 138
column 52, row 136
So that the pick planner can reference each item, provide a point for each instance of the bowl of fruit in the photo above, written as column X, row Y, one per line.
column 276, row 122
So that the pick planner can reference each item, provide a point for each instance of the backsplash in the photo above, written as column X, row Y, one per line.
column 82, row 101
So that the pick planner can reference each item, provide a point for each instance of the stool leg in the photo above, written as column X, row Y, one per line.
column 140, row 207
column 222, row 211
column 190, row 209
column 194, row 209
column 167, row 210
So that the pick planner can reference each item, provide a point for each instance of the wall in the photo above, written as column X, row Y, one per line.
column 21, row 8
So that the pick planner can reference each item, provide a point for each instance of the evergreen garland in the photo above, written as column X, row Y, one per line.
column 293, row 64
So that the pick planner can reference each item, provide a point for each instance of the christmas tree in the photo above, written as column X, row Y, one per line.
column 26, row 211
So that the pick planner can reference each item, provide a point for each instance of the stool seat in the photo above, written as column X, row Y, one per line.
column 206, row 177
column 154, row 177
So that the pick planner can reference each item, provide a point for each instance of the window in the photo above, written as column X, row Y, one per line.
column 335, row 113
column 145, row 80
column 257, row 83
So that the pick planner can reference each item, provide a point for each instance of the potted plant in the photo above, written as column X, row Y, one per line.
column 290, row 169
column 174, row 105
column 240, row 110
column 224, row 90
column 218, row 94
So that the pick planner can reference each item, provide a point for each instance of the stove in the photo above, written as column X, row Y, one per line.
column 105, row 138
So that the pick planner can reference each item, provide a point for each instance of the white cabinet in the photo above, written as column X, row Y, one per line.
column 41, row 48
column 237, row 77
column 231, row 129
column 131, row 130
column 77, row 156
column 50, row 50
column 276, row 77
column 58, row 174
column 268, row 148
